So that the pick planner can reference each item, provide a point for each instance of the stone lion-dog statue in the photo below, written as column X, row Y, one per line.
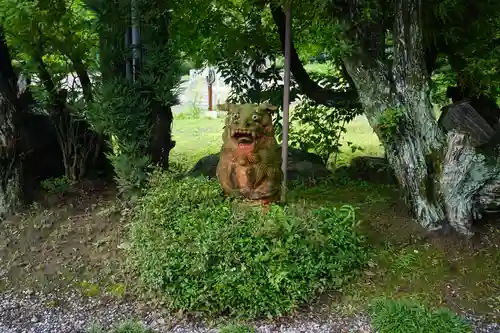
column 250, row 160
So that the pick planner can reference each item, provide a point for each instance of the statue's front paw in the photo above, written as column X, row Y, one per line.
column 257, row 195
column 245, row 192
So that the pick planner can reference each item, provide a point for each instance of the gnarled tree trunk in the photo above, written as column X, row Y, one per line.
column 448, row 181
column 11, row 188
column 443, row 176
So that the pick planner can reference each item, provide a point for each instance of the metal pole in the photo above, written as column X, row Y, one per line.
column 128, row 65
column 209, row 97
column 286, row 99
column 135, row 40
column 210, row 81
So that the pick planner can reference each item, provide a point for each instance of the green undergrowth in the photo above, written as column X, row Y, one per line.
column 206, row 253
column 125, row 327
column 437, row 275
column 406, row 316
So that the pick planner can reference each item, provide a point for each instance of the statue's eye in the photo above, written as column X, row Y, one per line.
column 236, row 115
column 255, row 117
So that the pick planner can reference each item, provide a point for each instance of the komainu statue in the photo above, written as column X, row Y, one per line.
column 250, row 161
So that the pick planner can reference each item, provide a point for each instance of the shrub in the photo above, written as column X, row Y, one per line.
column 57, row 185
column 129, row 112
column 405, row 316
column 319, row 129
column 206, row 253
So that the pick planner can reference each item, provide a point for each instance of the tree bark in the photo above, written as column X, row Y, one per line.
column 411, row 150
column 446, row 180
column 11, row 188
column 161, row 142
column 157, row 32
column 468, row 183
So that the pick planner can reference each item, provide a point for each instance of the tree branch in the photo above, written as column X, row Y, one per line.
column 83, row 76
column 45, row 76
column 309, row 87
column 57, row 97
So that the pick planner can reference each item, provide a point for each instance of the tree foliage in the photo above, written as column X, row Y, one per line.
column 136, row 113
column 53, row 43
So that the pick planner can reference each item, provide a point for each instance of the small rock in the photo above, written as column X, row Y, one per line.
column 34, row 319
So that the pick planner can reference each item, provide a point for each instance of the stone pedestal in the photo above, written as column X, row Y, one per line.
column 211, row 114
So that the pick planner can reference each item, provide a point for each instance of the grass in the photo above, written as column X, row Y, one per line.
column 196, row 138
column 125, row 327
column 405, row 316
column 188, row 133
column 78, row 243
column 360, row 133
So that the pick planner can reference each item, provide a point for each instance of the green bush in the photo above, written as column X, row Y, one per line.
column 405, row 316
column 319, row 129
column 206, row 253
column 57, row 185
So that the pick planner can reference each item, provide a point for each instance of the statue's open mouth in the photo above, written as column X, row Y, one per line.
column 244, row 137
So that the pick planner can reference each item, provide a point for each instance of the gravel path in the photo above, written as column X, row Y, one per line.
column 37, row 313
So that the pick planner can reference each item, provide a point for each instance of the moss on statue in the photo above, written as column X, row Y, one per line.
column 250, row 159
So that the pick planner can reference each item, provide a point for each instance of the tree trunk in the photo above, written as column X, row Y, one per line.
column 468, row 182
column 161, row 142
column 442, row 176
column 416, row 141
column 11, row 188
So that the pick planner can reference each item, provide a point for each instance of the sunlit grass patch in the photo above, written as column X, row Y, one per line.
column 406, row 316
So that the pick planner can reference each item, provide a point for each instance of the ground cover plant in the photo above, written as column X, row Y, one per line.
column 207, row 253
column 235, row 328
column 406, row 316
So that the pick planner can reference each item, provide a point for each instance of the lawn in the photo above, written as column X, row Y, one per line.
column 196, row 138
column 77, row 243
